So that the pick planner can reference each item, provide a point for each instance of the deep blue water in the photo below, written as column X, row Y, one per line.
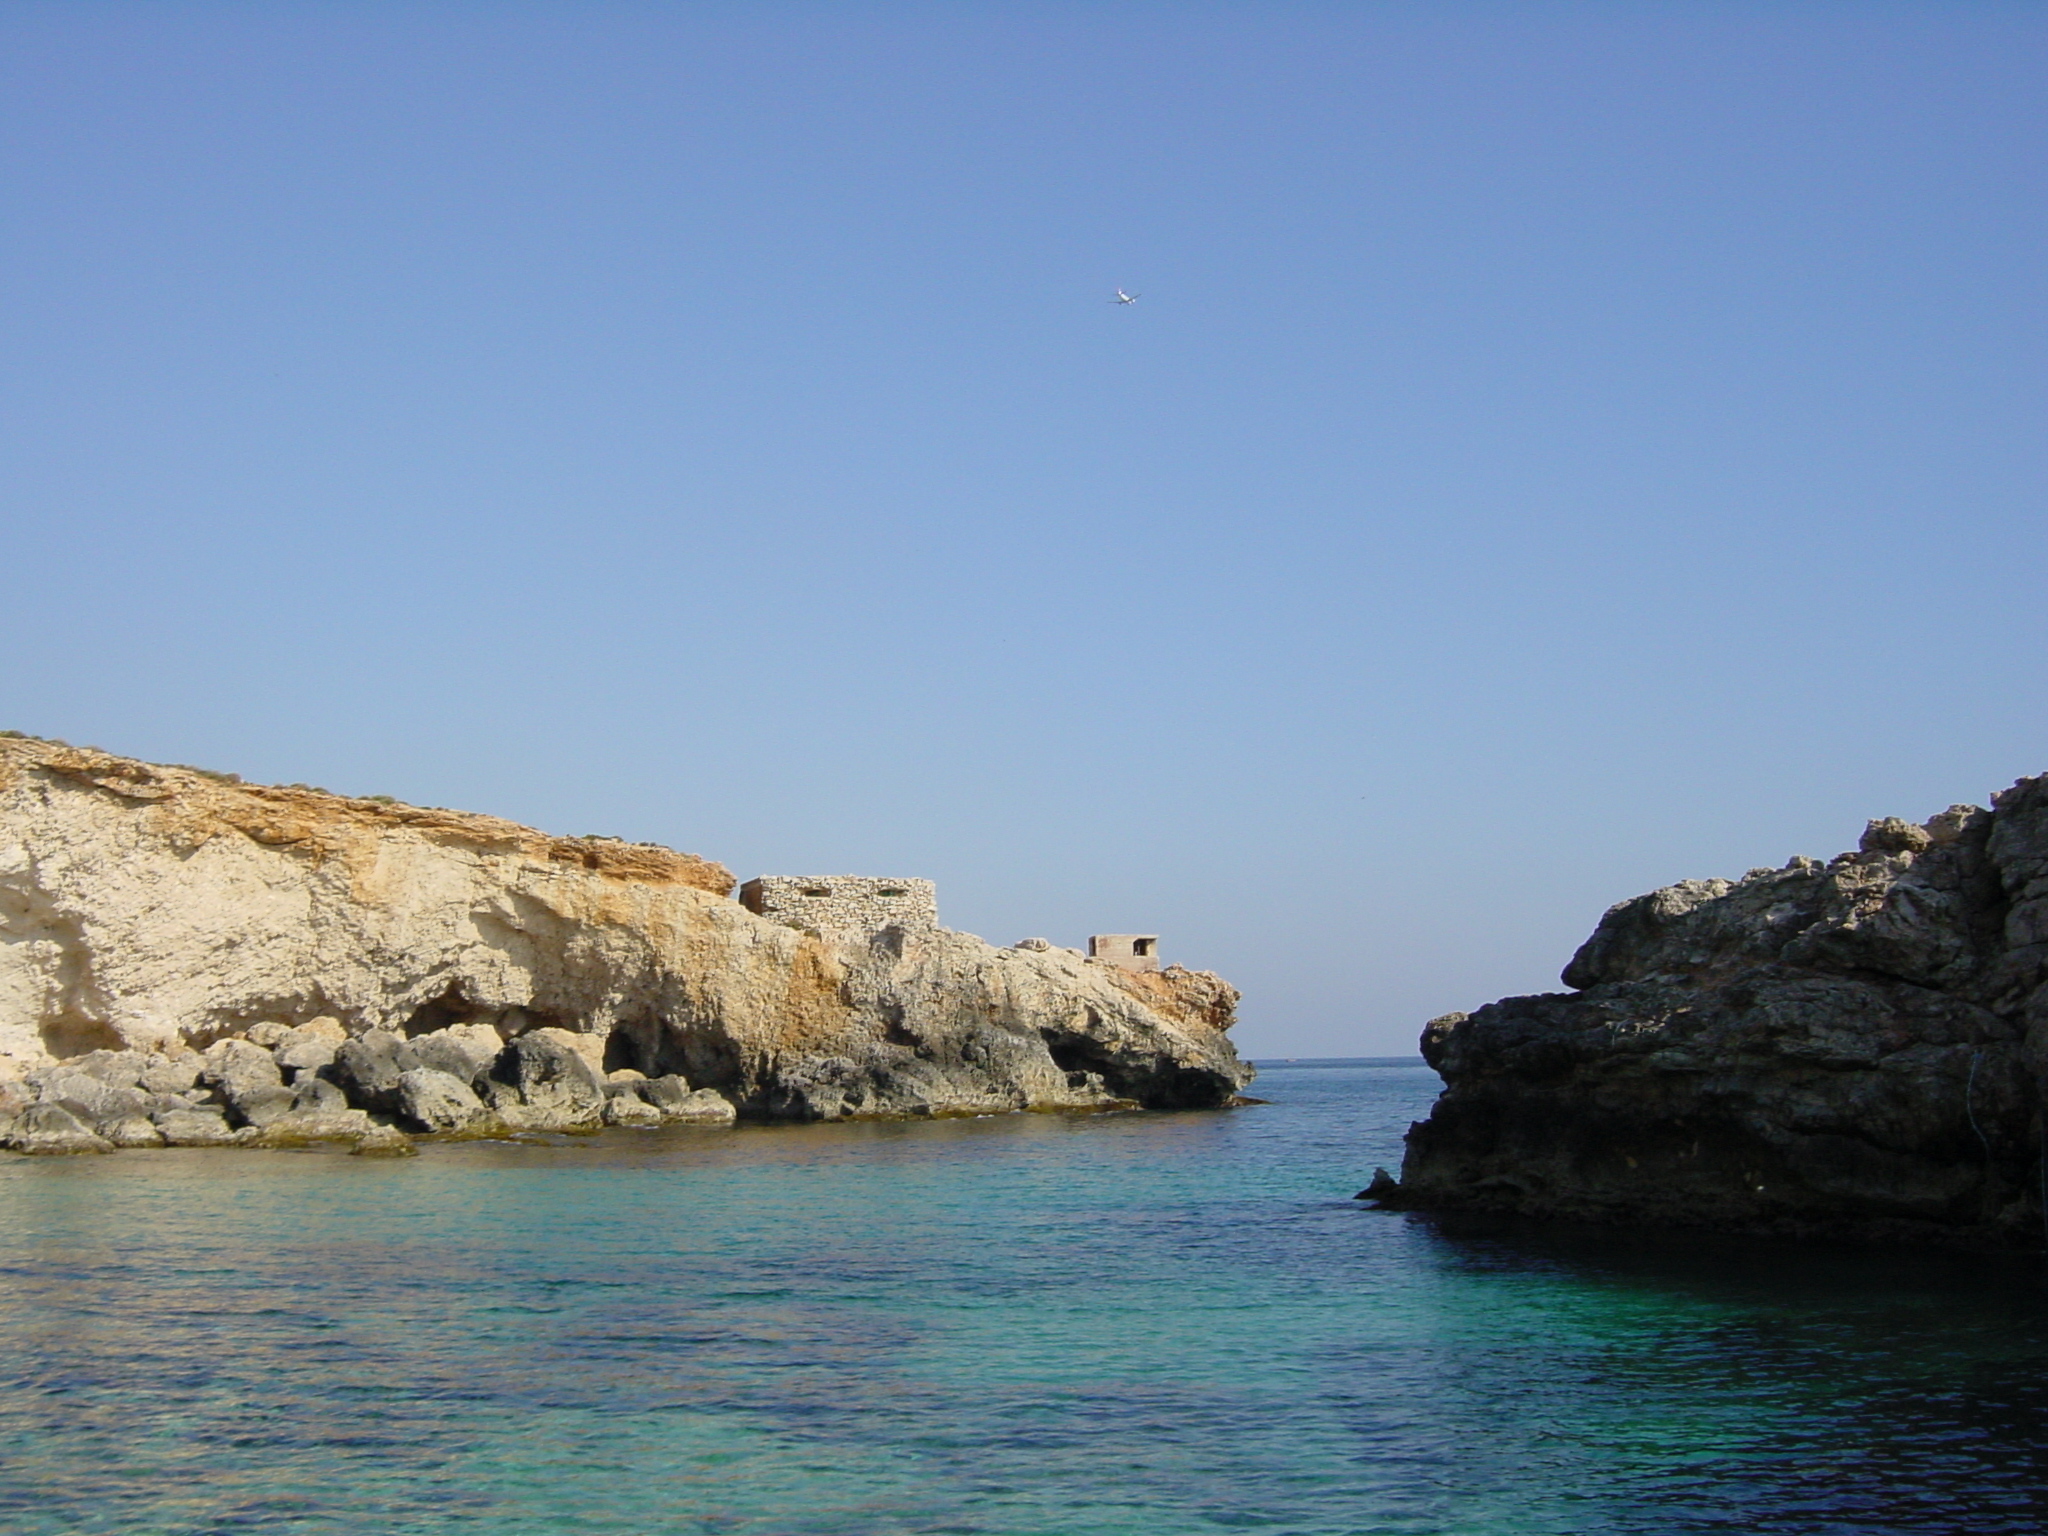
column 1031, row 1324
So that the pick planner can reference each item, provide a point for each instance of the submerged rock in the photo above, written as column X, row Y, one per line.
column 1857, row 1048
column 385, row 1141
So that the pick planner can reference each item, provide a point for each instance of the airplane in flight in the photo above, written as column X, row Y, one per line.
column 1126, row 298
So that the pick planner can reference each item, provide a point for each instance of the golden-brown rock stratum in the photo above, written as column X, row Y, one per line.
column 160, row 923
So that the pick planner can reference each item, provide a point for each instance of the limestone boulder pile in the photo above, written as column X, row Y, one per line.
column 376, row 1090
column 188, row 960
column 1856, row 1048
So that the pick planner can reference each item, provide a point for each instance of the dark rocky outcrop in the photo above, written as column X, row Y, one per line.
column 542, row 1081
column 432, row 1100
column 1853, row 1049
column 368, row 1069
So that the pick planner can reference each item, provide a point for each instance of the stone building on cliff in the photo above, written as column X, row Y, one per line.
column 1126, row 951
column 861, row 906
column 844, row 906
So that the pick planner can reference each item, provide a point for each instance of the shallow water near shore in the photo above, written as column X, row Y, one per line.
column 1016, row 1326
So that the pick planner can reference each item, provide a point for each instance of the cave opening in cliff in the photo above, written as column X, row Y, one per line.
column 1156, row 1085
column 1081, row 1058
column 623, row 1052
column 448, row 1009
column 73, row 1034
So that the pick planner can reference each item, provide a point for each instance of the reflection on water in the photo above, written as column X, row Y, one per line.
column 1014, row 1326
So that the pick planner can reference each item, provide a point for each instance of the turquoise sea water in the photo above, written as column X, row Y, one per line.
column 1032, row 1324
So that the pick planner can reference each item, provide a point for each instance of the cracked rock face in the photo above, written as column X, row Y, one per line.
column 1851, row 1049
column 239, row 951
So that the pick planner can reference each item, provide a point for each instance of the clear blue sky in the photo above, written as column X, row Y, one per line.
column 1560, row 449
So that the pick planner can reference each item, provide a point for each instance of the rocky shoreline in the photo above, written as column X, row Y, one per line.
column 290, row 1086
column 1853, row 1049
column 187, row 960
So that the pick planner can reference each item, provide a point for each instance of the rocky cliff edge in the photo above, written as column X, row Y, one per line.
column 1856, row 1049
column 185, row 958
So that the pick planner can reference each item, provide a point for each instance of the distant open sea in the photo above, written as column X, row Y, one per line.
column 1032, row 1324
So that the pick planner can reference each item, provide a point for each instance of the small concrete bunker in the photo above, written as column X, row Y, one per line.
column 844, row 906
column 1127, row 951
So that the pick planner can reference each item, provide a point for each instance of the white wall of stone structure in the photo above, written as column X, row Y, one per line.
column 1131, row 951
column 839, row 906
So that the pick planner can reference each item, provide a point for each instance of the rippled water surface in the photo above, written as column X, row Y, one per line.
column 1034, row 1324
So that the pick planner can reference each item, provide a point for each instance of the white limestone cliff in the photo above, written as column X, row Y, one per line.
column 151, row 911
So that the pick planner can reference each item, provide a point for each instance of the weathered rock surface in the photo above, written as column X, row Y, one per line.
column 368, row 1069
column 246, row 1078
column 319, row 1112
column 429, row 1100
column 54, row 1128
column 630, row 1109
column 704, row 1106
column 310, row 1047
column 1856, row 1049
column 463, row 1051
column 542, row 1082
column 220, row 949
column 197, row 1126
